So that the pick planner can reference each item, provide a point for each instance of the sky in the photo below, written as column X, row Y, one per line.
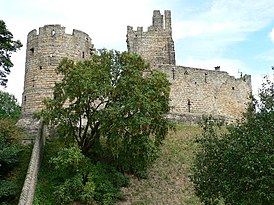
column 237, row 35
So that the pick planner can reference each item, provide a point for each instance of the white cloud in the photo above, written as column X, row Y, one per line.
column 271, row 35
column 232, row 17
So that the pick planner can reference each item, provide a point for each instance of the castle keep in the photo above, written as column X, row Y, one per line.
column 194, row 91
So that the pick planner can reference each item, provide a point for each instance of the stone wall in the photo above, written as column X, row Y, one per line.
column 194, row 91
column 43, row 54
column 28, row 190
column 155, row 45
column 204, row 92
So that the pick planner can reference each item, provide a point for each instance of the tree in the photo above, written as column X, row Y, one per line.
column 7, row 46
column 9, row 108
column 9, row 151
column 237, row 166
column 116, row 98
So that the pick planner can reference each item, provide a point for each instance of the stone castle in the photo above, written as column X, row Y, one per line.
column 194, row 91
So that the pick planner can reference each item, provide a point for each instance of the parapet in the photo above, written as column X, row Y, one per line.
column 56, row 30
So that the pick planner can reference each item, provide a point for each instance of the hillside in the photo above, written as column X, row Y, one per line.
column 168, row 181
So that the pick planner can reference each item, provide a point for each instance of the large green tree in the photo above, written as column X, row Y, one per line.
column 113, row 98
column 237, row 166
column 9, row 107
column 7, row 47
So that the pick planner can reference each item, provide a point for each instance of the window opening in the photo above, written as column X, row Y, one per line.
column 205, row 77
column 173, row 73
column 188, row 105
column 32, row 50
column 53, row 32
column 83, row 54
column 233, row 88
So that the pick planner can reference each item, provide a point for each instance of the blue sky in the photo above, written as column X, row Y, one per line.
column 237, row 35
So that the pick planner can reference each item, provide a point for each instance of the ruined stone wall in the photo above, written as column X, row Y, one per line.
column 43, row 54
column 29, row 187
column 156, row 44
column 198, row 91
column 193, row 91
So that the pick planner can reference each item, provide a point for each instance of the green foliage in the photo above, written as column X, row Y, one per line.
column 113, row 98
column 77, row 179
column 7, row 46
column 9, row 108
column 237, row 166
column 9, row 157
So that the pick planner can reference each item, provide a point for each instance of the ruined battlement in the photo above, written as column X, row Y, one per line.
column 194, row 91
column 155, row 45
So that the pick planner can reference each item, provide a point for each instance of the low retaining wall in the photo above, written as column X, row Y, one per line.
column 28, row 190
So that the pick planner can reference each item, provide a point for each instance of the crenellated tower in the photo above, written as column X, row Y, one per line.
column 155, row 45
column 44, row 52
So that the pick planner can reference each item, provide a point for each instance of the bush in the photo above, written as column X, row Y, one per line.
column 237, row 166
column 78, row 179
column 9, row 158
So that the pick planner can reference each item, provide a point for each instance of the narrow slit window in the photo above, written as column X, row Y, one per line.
column 233, row 88
column 205, row 77
column 173, row 73
column 40, row 67
column 188, row 105
column 83, row 54
column 53, row 32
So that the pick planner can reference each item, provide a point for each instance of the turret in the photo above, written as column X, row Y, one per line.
column 43, row 54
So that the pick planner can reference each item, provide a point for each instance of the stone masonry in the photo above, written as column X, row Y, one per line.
column 156, row 45
column 194, row 91
column 44, row 52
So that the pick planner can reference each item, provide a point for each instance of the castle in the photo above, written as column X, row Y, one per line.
column 194, row 91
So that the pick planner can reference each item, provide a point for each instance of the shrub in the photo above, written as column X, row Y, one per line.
column 80, row 180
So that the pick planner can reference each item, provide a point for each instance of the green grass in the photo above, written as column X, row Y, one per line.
column 168, row 179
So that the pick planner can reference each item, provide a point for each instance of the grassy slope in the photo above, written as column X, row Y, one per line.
column 168, row 181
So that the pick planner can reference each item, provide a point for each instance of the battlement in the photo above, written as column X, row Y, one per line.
column 55, row 30
column 155, row 45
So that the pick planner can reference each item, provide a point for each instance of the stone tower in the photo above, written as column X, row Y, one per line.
column 43, row 54
column 156, row 45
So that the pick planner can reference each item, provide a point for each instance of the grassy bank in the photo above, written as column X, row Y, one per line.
column 168, row 181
